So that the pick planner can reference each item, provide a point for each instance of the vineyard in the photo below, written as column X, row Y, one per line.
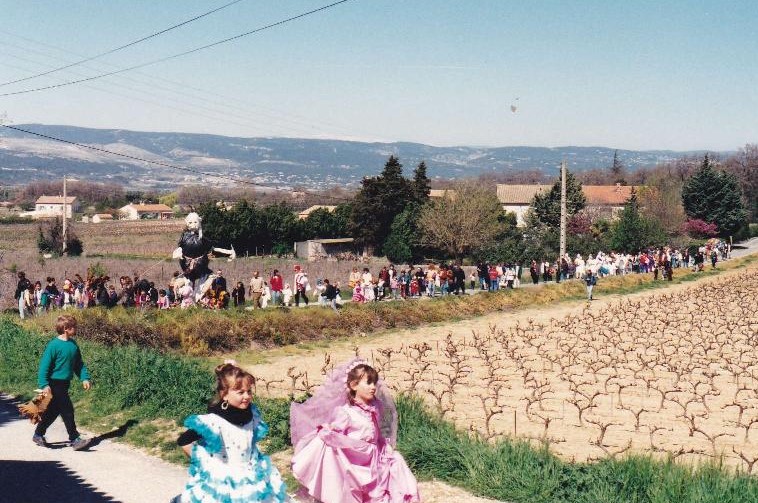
column 671, row 373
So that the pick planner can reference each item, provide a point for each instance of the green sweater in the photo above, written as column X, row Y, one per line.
column 61, row 360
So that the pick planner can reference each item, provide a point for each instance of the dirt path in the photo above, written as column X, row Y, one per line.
column 108, row 471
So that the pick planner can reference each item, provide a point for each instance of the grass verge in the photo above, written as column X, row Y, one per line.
column 152, row 391
column 515, row 471
column 138, row 387
column 198, row 332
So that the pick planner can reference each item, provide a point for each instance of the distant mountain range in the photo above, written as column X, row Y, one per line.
column 276, row 162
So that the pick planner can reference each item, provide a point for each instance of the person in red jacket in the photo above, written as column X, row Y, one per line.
column 276, row 284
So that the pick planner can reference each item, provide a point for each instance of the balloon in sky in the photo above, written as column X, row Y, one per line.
column 514, row 105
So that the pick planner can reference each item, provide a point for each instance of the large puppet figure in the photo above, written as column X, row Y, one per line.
column 194, row 254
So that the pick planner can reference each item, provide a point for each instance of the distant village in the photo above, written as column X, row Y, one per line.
column 603, row 201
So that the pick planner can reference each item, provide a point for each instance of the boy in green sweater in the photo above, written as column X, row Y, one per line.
column 60, row 361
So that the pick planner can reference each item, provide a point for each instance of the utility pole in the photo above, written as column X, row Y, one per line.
column 563, row 209
column 63, row 250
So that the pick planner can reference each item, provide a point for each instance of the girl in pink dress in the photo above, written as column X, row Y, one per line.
column 358, row 294
column 344, row 438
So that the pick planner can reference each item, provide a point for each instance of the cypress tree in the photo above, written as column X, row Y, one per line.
column 421, row 185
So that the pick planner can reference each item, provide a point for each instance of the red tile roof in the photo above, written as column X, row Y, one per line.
column 597, row 195
column 606, row 195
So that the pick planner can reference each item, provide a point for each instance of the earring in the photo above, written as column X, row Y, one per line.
column 224, row 405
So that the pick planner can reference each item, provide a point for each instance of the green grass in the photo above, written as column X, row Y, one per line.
column 515, row 471
column 129, row 384
column 153, row 391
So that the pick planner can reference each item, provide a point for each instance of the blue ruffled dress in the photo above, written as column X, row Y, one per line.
column 227, row 467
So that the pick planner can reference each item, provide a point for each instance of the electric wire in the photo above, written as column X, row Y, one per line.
column 174, row 56
column 130, row 44
column 166, row 164
column 229, row 116
column 286, row 122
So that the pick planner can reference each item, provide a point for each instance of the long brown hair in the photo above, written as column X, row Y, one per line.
column 356, row 374
column 229, row 376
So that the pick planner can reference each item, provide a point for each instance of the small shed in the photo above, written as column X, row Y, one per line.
column 100, row 217
column 315, row 249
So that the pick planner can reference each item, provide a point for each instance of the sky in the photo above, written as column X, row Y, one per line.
column 642, row 75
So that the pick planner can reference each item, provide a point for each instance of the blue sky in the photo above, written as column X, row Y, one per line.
column 632, row 75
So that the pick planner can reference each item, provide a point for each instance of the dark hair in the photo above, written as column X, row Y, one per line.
column 229, row 376
column 358, row 372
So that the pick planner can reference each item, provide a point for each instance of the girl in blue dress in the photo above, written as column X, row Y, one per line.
column 226, row 466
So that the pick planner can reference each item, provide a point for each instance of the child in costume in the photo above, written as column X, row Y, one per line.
column 358, row 294
column 344, row 439
column 226, row 466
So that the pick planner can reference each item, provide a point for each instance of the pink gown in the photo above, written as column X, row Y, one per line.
column 348, row 461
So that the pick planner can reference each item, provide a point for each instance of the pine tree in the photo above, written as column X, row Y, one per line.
column 628, row 233
column 547, row 206
column 714, row 196
column 401, row 246
column 379, row 201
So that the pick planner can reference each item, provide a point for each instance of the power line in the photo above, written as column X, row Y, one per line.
column 111, row 51
column 185, row 53
column 285, row 122
column 165, row 164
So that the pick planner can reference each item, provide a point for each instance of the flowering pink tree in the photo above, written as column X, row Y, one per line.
column 697, row 228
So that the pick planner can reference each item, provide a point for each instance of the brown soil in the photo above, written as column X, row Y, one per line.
column 666, row 371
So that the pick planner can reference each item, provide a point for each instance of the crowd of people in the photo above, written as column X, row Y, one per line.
column 661, row 262
column 389, row 283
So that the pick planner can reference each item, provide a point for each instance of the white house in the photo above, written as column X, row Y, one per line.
column 604, row 201
column 146, row 211
column 52, row 206
column 518, row 198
